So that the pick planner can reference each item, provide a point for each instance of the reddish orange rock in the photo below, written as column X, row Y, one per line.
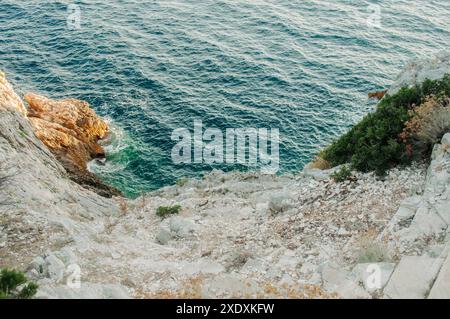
column 378, row 94
column 69, row 127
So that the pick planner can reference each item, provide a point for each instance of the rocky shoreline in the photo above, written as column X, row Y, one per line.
column 236, row 235
column 69, row 128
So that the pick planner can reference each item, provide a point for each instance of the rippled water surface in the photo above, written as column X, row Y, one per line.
column 149, row 67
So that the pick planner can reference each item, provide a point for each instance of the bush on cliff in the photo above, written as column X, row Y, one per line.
column 13, row 285
column 427, row 125
column 342, row 175
column 374, row 144
column 164, row 211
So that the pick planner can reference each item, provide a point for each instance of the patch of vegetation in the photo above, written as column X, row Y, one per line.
column 342, row 174
column 427, row 125
column 182, row 181
column 13, row 285
column 374, row 144
column 373, row 253
column 164, row 211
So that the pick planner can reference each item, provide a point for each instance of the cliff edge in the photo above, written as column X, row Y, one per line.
column 234, row 234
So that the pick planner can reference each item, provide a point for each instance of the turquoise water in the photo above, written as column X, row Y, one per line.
column 304, row 67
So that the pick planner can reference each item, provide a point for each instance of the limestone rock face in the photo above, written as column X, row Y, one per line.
column 441, row 287
column 413, row 277
column 9, row 100
column 69, row 127
column 419, row 70
column 40, row 208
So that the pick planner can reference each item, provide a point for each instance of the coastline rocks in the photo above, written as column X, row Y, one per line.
column 226, row 244
column 69, row 128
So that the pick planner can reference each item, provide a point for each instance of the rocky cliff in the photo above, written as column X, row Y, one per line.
column 237, row 235
column 71, row 130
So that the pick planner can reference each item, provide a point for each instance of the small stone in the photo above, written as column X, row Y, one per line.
column 181, row 227
column 164, row 235
column 308, row 267
column 280, row 202
column 55, row 268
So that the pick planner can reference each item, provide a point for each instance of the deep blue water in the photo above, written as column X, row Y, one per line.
column 304, row 67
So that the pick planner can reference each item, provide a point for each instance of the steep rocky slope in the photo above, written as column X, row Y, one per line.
column 237, row 235
column 41, row 208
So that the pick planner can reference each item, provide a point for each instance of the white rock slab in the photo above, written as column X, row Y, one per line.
column 413, row 277
column 441, row 287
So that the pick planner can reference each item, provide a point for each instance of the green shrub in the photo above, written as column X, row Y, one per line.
column 373, row 144
column 342, row 175
column 164, row 211
column 10, row 280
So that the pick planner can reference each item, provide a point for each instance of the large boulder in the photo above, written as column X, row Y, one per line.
column 280, row 202
column 71, row 130
column 337, row 280
column 53, row 266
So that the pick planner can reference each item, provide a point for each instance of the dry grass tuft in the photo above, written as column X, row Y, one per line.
column 427, row 124
column 319, row 163
column 192, row 289
column 370, row 250
column 123, row 206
